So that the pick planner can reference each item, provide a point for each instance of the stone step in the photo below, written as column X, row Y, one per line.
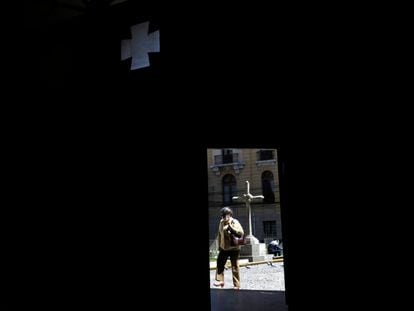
column 257, row 257
column 213, row 264
column 246, row 262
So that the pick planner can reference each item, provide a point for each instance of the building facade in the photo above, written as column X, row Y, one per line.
column 228, row 171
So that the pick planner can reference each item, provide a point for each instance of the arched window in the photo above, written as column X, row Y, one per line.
column 229, row 188
column 268, row 186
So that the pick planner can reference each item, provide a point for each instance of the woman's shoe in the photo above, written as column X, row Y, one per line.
column 217, row 284
column 236, row 287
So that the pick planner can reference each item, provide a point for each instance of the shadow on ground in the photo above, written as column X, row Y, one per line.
column 229, row 299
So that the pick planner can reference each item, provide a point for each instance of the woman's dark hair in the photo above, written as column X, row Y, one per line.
column 226, row 211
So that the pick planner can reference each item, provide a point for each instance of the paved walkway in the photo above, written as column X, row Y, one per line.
column 256, row 277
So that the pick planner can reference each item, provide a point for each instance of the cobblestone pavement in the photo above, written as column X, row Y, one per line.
column 256, row 277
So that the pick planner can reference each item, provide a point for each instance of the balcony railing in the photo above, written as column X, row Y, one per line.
column 264, row 155
column 226, row 159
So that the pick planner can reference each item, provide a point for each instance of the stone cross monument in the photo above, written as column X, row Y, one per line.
column 247, row 198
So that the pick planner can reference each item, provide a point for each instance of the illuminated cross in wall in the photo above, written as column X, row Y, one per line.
column 247, row 198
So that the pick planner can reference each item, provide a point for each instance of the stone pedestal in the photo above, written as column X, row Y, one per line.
column 250, row 239
column 255, row 252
